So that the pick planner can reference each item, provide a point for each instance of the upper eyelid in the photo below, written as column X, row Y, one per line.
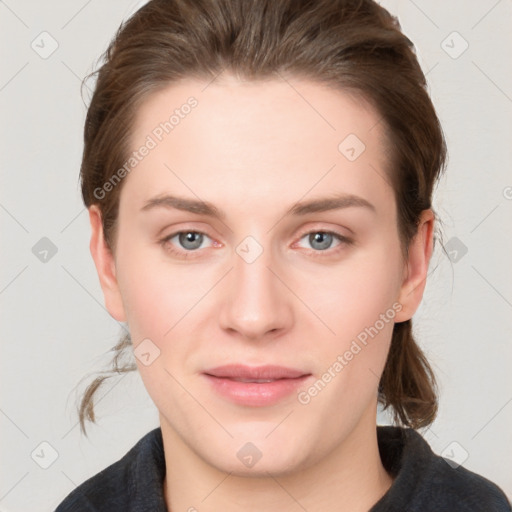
column 339, row 236
column 181, row 231
column 322, row 230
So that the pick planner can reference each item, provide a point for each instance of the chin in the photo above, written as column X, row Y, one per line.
column 255, row 456
column 267, row 465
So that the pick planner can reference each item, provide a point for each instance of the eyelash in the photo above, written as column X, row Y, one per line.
column 344, row 241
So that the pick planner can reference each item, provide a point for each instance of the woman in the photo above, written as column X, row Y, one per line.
column 259, row 180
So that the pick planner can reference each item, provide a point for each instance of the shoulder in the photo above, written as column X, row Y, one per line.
column 134, row 479
column 426, row 482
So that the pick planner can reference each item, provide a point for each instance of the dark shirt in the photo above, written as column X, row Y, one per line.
column 423, row 481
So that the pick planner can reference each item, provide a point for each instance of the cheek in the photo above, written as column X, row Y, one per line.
column 358, row 302
column 163, row 303
column 158, row 297
column 352, row 296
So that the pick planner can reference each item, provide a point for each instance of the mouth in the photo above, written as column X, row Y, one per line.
column 255, row 386
column 248, row 380
column 255, row 373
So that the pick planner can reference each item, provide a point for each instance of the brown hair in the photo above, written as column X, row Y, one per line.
column 351, row 45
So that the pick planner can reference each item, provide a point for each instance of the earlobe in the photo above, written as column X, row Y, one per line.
column 416, row 268
column 105, row 266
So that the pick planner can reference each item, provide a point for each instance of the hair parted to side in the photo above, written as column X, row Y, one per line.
column 352, row 45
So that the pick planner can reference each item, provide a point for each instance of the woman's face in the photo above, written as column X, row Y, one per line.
column 292, row 259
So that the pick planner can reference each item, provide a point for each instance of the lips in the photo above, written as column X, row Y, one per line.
column 242, row 373
column 255, row 386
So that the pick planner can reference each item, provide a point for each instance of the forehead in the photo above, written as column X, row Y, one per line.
column 270, row 139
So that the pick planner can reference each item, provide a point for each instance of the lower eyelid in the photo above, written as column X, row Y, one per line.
column 342, row 239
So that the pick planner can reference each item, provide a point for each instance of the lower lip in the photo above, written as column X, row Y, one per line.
column 255, row 394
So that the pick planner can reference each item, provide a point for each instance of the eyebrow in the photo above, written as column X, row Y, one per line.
column 199, row 207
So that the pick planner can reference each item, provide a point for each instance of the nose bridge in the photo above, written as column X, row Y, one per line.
column 251, row 273
column 257, row 302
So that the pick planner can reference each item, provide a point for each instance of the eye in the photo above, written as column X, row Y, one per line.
column 186, row 243
column 322, row 241
column 183, row 242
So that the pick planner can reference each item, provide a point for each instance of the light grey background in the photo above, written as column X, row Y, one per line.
column 55, row 329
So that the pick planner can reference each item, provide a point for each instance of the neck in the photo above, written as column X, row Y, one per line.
column 351, row 477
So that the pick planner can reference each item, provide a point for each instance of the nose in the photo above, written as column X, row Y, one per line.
column 257, row 304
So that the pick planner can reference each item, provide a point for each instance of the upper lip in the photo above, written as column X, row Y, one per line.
column 240, row 371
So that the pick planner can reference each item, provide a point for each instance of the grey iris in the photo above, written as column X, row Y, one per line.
column 324, row 240
column 191, row 240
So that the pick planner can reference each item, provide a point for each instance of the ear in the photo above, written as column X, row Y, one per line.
column 105, row 266
column 416, row 268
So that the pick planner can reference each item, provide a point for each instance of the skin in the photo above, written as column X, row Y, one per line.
column 254, row 149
